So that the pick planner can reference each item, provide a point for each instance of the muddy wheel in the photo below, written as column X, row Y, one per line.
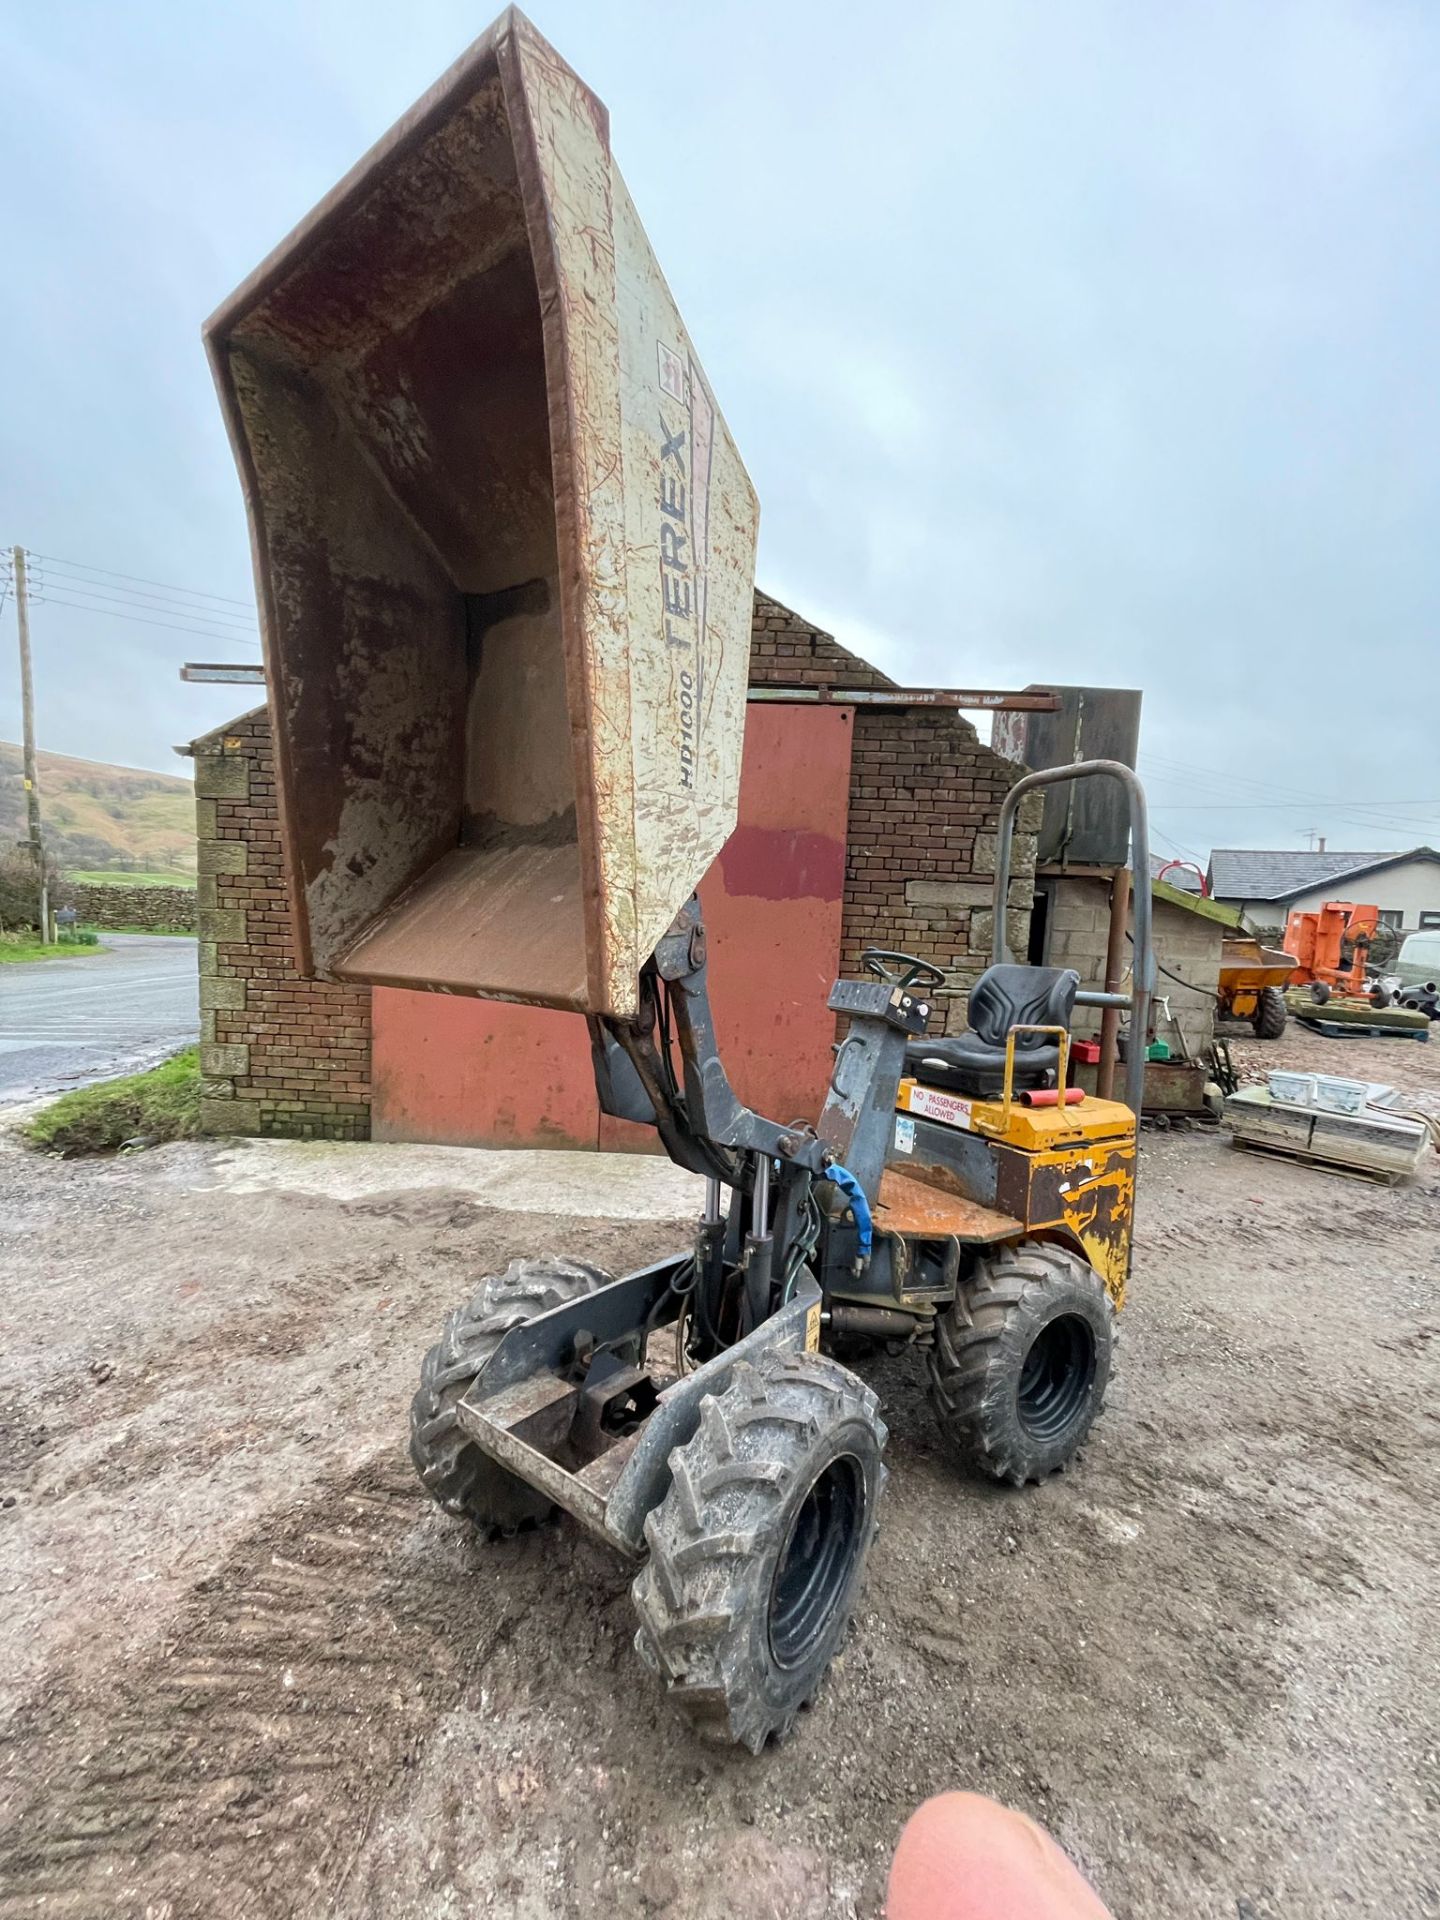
column 1319, row 992
column 1021, row 1361
column 452, row 1469
column 1270, row 1014
column 757, row 1550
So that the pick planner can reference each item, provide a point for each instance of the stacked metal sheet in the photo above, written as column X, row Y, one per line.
column 1376, row 1143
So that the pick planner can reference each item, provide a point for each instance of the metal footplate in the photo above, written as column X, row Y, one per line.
column 561, row 1407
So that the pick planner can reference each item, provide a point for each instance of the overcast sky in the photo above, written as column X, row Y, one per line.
column 1064, row 340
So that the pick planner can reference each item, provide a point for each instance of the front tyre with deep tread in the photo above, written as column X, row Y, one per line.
column 758, row 1549
column 452, row 1469
column 1021, row 1361
column 1270, row 1015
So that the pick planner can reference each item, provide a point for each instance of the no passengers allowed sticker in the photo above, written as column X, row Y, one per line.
column 948, row 1108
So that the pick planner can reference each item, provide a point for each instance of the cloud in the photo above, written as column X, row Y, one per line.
column 1089, row 343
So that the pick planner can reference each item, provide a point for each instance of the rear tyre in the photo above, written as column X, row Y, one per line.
column 1319, row 992
column 758, row 1549
column 452, row 1469
column 1021, row 1361
column 1270, row 1014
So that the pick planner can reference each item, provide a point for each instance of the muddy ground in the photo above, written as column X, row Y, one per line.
column 246, row 1669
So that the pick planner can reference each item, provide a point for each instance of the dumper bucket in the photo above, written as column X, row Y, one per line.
column 504, row 549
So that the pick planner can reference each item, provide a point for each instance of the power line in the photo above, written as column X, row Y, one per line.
column 105, row 613
column 203, row 615
column 1366, row 814
column 1277, row 806
column 1412, row 829
column 1361, row 823
column 1224, row 782
column 103, row 603
column 140, row 580
column 1179, row 846
column 129, row 596
column 1217, row 781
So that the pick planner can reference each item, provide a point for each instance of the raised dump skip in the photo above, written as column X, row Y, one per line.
column 504, row 548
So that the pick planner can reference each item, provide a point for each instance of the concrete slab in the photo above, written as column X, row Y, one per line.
column 604, row 1186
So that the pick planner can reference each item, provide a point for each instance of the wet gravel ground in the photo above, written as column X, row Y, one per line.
column 246, row 1669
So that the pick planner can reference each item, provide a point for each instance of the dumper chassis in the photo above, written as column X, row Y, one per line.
column 737, row 1461
column 504, row 549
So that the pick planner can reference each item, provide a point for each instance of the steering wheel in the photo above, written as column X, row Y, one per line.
column 916, row 973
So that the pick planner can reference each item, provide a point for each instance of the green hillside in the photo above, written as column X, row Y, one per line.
column 102, row 819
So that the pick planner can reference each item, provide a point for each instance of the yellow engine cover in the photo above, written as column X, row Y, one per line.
column 1065, row 1171
column 1033, row 1129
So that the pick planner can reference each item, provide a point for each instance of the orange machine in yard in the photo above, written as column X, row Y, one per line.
column 1337, row 985
column 1332, row 946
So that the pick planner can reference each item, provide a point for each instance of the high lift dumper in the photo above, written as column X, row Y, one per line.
column 504, row 549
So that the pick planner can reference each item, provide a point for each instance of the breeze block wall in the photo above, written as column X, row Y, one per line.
column 1187, row 944
column 284, row 1055
column 279, row 1054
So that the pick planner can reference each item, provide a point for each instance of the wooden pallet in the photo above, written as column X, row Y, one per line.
column 1337, row 1030
column 1302, row 1156
column 1372, row 1145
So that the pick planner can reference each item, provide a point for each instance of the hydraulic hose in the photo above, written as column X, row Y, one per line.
column 853, row 1191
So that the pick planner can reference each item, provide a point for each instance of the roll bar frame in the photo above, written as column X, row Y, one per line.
column 1142, row 975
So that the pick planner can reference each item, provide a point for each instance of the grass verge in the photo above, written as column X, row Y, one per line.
column 27, row 946
column 163, row 1104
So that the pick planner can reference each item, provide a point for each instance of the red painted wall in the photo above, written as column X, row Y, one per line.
column 478, row 1073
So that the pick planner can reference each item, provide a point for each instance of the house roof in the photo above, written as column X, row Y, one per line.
column 1246, row 873
column 1184, row 878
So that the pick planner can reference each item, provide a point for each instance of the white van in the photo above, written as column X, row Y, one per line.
column 1418, row 962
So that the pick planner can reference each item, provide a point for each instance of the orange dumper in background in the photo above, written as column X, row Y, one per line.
column 1252, row 982
column 1253, row 978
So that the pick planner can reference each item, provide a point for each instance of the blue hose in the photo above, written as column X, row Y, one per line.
column 859, row 1205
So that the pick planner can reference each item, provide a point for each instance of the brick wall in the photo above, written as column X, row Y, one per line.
column 278, row 1054
column 787, row 651
column 284, row 1055
column 924, row 799
column 925, row 796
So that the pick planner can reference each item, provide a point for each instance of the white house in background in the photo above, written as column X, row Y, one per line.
column 1268, row 886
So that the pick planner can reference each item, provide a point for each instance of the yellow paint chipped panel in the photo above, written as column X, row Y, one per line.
column 1092, row 1196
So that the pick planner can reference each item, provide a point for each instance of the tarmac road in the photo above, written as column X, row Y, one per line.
column 66, row 1022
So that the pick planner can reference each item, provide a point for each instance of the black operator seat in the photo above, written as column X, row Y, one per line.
column 1003, row 997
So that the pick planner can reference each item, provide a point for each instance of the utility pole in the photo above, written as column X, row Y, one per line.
column 32, row 780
